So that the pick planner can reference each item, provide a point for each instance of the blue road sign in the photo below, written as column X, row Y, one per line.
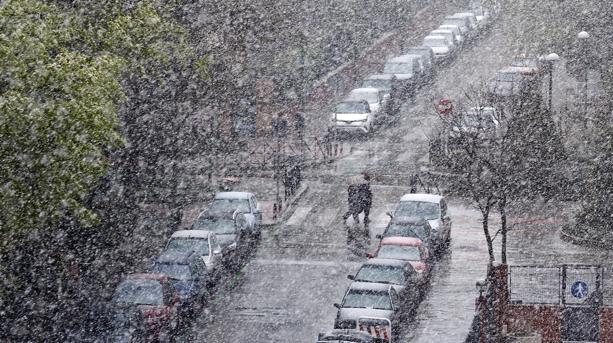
column 579, row 289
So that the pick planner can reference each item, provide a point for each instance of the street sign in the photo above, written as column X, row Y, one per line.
column 579, row 289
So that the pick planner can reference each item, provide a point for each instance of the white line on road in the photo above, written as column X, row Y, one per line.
column 299, row 215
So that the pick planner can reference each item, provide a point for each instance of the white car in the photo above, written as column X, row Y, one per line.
column 376, row 98
column 455, row 29
column 482, row 15
column 431, row 207
column 443, row 49
column 472, row 19
column 463, row 24
column 352, row 116
column 203, row 242
column 449, row 35
column 243, row 202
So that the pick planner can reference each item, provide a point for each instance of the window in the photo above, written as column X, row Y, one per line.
column 175, row 271
column 418, row 209
column 199, row 245
column 443, row 208
column 358, row 298
column 394, row 298
column 381, row 274
column 229, row 205
column 139, row 292
column 400, row 252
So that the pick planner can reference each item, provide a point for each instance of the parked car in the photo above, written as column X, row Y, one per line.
column 482, row 15
column 512, row 82
column 529, row 65
column 456, row 31
column 188, row 275
column 430, row 207
column 352, row 116
column 411, row 227
column 406, row 70
column 371, row 300
column 345, row 335
column 483, row 122
column 231, row 234
column 449, row 35
column 463, row 24
column 243, row 202
column 388, row 84
column 472, row 20
column 377, row 99
column 408, row 249
column 427, row 55
column 204, row 243
column 155, row 297
column 443, row 49
column 400, row 274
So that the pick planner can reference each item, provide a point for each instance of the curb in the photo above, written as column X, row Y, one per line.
column 283, row 215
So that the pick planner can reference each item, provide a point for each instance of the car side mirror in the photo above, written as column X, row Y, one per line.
column 379, row 236
column 351, row 277
column 337, row 305
column 217, row 251
column 390, row 214
column 370, row 255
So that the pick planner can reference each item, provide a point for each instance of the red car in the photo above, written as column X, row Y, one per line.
column 155, row 297
column 408, row 249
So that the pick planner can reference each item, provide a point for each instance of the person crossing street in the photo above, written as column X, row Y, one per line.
column 359, row 198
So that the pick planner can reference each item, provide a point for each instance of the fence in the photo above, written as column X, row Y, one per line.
column 575, row 285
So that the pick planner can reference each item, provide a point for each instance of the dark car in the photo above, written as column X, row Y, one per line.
column 147, row 297
column 400, row 274
column 345, row 336
column 189, row 277
column 412, row 227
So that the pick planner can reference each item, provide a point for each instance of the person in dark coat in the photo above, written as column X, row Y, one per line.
column 365, row 196
column 353, row 202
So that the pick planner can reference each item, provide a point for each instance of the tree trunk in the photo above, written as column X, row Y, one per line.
column 485, row 212
column 502, row 204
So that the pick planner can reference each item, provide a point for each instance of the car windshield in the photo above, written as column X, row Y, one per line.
column 381, row 274
column 379, row 84
column 371, row 97
column 505, row 77
column 398, row 68
column 399, row 252
column 221, row 226
column 367, row 299
column 457, row 22
column 229, row 205
column 407, row 230
column 435, row 42
column 199, row 245
column 139, row 292
column 351, row 107
column 418, row 209
column 175, row 271
column 478, row 121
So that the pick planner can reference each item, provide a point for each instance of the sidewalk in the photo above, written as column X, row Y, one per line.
column 265, row 190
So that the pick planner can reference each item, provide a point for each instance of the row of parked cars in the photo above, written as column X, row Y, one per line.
column 377, row 101
column 387, row 289
column 154, row 304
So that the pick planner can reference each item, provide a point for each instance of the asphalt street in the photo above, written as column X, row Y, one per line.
column 286, row 292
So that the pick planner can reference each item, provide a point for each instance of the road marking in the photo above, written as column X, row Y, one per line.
column 326, row 217
column 299, row 215
column 307, row 263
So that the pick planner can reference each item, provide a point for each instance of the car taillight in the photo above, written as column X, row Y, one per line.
column 419, row 267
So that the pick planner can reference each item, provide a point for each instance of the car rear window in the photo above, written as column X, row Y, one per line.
column 407, row 230
column 139, row 292
column 351, row 107
column 229, row 205
column 418, row 209
column 399, row 252
column 175, row 271
column 381, row 274
column 183, row 244
column 367, row 299
column 398, row 68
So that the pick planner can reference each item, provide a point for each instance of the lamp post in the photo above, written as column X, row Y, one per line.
column 583, row 37
column 551, row 59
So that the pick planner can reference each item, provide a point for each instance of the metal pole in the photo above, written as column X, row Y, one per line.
column 278, row 171
column 550, row 83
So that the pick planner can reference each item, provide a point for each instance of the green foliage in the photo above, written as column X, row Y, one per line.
column 61, row 73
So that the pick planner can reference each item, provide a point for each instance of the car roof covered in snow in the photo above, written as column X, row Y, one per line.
column 191, row 234
column 423, row 197
column 233, row 195
column 379, row 77
column 370, row 286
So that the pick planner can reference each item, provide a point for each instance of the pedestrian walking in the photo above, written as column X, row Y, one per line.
column 365, row 198
column 353, row 199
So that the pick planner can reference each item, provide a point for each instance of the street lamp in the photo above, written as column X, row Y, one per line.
column 551, row 59
column 583, row 37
